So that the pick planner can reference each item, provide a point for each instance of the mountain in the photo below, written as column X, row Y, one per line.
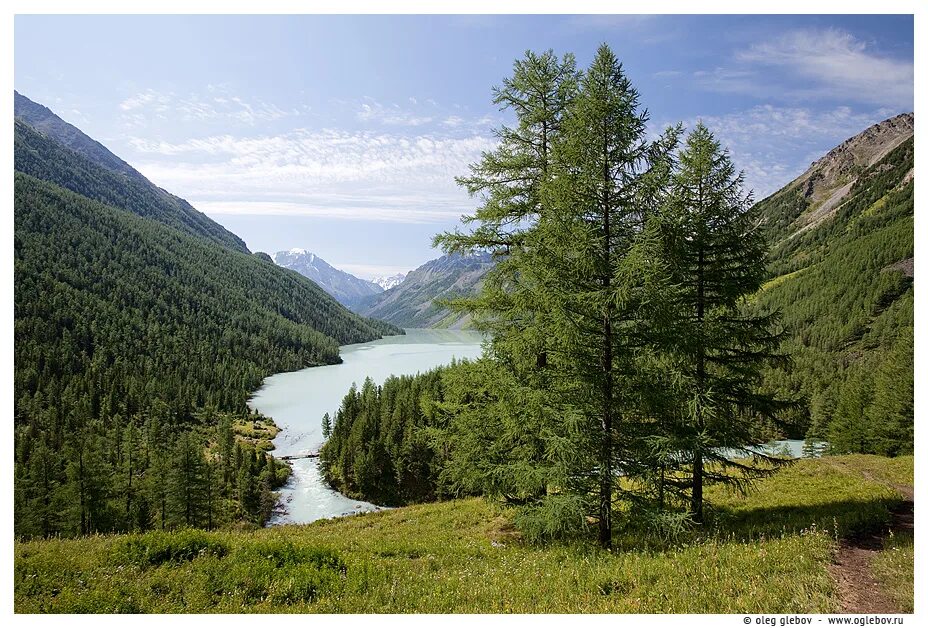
column 842, row 277
column 129, row 319
column 390, row 282
column 50, row 149
column 412, row 302
column 345, row 287
column 818, row 193
column 43, row 120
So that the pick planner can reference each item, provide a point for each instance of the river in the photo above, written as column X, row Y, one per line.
column 297, row 400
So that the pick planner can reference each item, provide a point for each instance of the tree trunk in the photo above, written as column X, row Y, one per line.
column 605, row 470
column 605, row 477
column 129, row 522
column 696, row 501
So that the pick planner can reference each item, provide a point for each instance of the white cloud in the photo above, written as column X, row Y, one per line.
column 373, row 111
column 218, row 105
column 816, row 65
column 148, row 99
column 331, row 174
column 774, row 145
column 354, row 213
column 327, row 155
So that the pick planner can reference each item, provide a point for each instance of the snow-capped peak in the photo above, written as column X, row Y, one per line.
column 389, row 282
column 296, row 251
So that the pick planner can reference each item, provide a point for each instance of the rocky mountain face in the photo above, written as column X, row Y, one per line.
column 345, row 287
column 412, row 303
column 819, row 191
column 390, row 282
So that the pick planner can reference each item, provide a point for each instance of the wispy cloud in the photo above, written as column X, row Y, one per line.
column 773, row 145
column 146, row 99
column 354, row 213
column 806, row 64
column 217, row 104
column 393, row 115
column 361, row 175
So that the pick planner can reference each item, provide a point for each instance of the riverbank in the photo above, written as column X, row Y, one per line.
column 298, row 400
column 768, row 552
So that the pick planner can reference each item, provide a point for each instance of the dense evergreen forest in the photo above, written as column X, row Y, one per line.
column 137, row 344
column 639, row 326
column 845, row 291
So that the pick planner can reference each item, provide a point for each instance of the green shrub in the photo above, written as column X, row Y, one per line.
column 283, row 553
column 154, row 548
column 556, row 517
column 276, row 571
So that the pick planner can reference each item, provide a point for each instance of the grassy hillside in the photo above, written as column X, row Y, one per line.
column 769, row 552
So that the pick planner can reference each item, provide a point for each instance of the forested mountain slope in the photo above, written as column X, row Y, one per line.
column 49, row 148
column 413, row 302
column 842, row 267
column 98, row 287
column 134, row 337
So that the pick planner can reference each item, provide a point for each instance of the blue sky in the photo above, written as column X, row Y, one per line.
column 343, row 134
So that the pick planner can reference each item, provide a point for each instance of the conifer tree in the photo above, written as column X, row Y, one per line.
column 39, row 485
column 717, row 252
column 326, row 425
column 553, row 305
column 595, row 210
column 187, row 480
column 129, row 472
column 508, row 181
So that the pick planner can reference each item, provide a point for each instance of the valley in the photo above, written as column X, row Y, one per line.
column 560, row 359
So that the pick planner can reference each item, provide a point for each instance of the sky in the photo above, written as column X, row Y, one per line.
column 342, row 135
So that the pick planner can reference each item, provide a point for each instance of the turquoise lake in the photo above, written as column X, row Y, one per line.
column 297, row 400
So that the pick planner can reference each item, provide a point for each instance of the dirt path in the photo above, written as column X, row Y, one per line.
column 852, row 570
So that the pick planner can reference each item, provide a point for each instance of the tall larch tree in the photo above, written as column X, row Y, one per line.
column 596, row 208
column 717, row 251
column 511, row 306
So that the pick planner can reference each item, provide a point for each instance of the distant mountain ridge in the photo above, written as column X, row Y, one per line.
column 345, row 287
column 49, row 148
column 391, row 281
column 412, row 303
